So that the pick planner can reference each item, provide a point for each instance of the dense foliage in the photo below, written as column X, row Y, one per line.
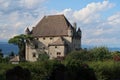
column 100, row 53
column 2, row 58
column 94, row 54
column 1, row 54
column 107, row 70
column 93, row 64
column 43, row 57
column 20, row 41
column 116, row 55
column 53, row 70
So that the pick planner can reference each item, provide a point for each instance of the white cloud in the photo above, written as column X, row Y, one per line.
column 91, row 11
column 18, row 24
column 89, row 14
column 4, row 4
column 114, row 20
column 104, row 42
column 27, row 13
column 31, row 3
column 16, row 15
column 95, row 30
column 65, row 11
column 13, row 16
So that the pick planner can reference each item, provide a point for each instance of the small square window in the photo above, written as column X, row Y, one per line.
column 43, row 47
column 51, row 38
column 55, row 46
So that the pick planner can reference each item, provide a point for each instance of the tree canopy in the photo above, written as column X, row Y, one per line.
column 94, row 54
column 20, row 41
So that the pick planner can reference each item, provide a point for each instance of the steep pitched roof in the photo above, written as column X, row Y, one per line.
column 53, row 25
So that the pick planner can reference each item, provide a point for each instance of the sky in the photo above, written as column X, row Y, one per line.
column 99, row 20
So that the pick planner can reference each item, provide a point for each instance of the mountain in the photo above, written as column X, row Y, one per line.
column 114, row 49
column 110, row 48
column 8, row 48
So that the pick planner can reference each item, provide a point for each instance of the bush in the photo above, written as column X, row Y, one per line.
column 107, row 70
column 3, row 68
column 116, row 55
column 94, row 54
column 77, row 71
column 100, row 53
column 53, row 70
column 43, row 57
column 81, row 56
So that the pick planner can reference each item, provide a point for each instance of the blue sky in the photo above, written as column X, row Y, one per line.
column 99, row 20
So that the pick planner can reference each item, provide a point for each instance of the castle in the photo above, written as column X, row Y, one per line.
column 53, row 35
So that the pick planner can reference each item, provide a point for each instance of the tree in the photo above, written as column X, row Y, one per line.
column 12, row 54
column 1, row 54
column 43, row 57
column 18, row 73
column 116, row 55
column 20, row 41
column 94, row 54
column 81, row 56
column 100, row 53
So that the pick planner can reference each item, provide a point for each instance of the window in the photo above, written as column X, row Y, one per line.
column 51, row 38
column 55, row 46
column 43, row 47
column 44, row 38
column 34, row 54
column 36, row 46
column 58, row 53
column 36, row 38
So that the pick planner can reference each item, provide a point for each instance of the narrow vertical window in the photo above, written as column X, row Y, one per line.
column 34, row 54
column 55, row 46
column 51, row 38
column 44, row 38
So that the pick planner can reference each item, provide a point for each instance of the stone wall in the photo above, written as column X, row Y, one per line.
column 56, row 51
column 53, row 51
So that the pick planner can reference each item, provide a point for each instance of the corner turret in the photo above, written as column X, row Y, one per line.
column 75, row 26
column 27, row 31
column 79, row 32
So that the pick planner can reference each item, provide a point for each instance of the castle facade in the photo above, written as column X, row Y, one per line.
column 53, row 35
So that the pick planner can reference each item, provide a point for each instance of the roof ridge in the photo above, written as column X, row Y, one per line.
column 54, row 15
